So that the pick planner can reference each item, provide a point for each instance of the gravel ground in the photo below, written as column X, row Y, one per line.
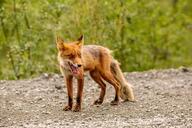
column 164, row 99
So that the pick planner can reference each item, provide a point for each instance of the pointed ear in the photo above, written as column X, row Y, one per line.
column 60, row 43
column 80, row 41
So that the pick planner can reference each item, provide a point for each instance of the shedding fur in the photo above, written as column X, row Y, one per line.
column 101, row 66
column 126, row 91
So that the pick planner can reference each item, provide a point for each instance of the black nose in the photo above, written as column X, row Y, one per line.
column 79, row 65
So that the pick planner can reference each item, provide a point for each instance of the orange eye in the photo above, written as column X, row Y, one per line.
column 69, row 56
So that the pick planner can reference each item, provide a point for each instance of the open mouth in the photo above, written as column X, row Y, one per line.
column 74, row 69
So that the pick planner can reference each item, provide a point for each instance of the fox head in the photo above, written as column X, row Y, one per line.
column 69, row 56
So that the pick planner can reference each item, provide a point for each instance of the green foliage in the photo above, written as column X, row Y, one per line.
column 143, row 34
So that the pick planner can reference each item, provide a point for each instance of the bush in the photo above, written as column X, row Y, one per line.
column 143, row 34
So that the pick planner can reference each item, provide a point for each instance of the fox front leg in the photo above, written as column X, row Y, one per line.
column 77, row 107
column 70, row 93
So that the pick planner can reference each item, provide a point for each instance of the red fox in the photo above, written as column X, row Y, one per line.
column 75, row 58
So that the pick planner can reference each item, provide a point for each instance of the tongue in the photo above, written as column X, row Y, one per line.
column 74, row 70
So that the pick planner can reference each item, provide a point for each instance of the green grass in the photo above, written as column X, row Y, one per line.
column 143, row 34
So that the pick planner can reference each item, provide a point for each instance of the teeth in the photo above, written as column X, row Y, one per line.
column 73, row 69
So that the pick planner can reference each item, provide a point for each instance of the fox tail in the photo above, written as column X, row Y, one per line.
column 126, row 91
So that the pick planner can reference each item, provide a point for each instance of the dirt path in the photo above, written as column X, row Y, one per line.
column 164, row 99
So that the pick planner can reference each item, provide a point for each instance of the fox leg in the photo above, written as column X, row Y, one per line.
column 70, row 93
column 105, row 71
column 77, row 107
column 110, row 79
column 95, row 75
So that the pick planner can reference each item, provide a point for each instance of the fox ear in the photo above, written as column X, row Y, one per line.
column 60, row 43
column 80, row 41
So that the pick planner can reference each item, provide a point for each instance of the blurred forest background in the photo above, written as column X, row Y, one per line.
column 143, row 34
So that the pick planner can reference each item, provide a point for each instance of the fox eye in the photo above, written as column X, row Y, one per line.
column 69, row 56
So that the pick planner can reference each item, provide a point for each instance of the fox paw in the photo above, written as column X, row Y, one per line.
column 67, row 108
column 76, row 108
column 114, row 102
column 98, row 102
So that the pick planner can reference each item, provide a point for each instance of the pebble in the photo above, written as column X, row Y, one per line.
column 56, row 97
column 46, row 112
column 156, row 108
column 2, row 81
column 58, row 86
column 49, row 122
column 184, row 69
column 148, row 110
column 147, row 87
column 38, row 98
column 43, row 106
